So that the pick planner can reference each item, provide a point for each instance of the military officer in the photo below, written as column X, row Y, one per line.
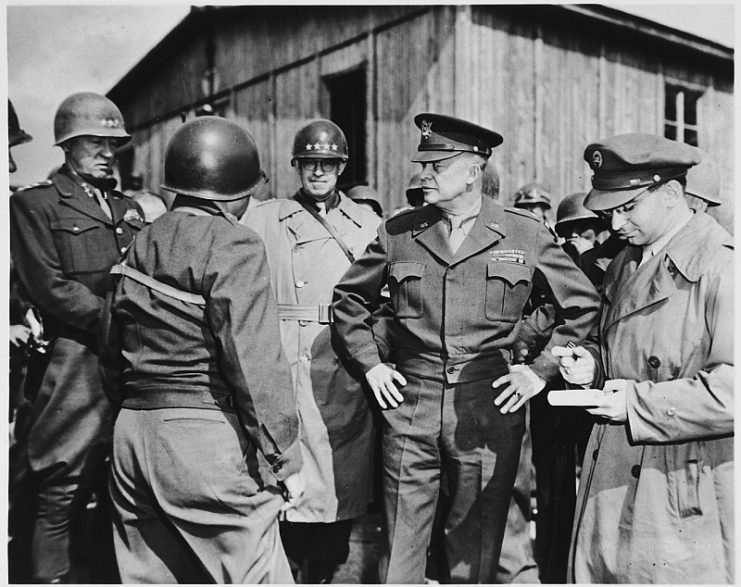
column 310, row 240
column 459, row 271
column 534, row 198
column 703, row 184
column 656, row 500
column 208, row 425
column 65, row 233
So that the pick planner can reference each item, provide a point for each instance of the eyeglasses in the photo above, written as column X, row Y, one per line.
column 326, row 165
column 627, row 209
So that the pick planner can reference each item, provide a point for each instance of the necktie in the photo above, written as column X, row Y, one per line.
column 457, row 234
column 102, row 202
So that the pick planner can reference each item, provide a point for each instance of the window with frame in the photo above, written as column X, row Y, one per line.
column 680, row 113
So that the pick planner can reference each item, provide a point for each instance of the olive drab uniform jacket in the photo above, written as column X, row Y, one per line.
column 458, row 315
column 63, row 246
column 656, row 499
column 336, row 421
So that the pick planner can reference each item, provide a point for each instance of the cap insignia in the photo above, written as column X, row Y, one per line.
column 110, row 122
column 426, row 129
column 316, row 146
column 334, row 147
column 596, row 160
column 309, row 146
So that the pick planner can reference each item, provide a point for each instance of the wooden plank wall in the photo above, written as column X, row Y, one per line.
column 548, row 90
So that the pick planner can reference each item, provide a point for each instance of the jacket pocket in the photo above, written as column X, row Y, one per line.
column 405, row 287
column 79, row 242
column 508, row 287
column 686, row 467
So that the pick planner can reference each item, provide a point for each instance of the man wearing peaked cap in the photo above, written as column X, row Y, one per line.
column 626, row 165
column 656, row 501
column 459, row 271
column 703, row 184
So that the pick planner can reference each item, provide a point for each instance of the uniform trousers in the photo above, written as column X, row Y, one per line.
column 191, row 506
column 455, row 430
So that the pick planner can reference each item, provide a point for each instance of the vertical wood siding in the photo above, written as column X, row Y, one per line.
column 549, row 87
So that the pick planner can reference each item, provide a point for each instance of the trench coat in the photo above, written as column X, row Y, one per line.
column 336, row 421
column 655, row 502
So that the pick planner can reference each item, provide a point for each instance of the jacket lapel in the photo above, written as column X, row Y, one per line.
column 431, row 232
column 635, row 290
column 75, row 197
column 487, row 230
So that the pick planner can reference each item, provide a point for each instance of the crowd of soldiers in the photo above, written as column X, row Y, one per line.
column 215, row 389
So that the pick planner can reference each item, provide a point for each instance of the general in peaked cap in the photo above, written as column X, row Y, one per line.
column 626, row 165
column 446, row 136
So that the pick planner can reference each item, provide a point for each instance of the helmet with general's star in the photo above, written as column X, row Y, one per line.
column 88, row 114
column 320, row 139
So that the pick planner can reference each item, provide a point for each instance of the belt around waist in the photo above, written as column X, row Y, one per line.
column 321, row 313
column 153, row 399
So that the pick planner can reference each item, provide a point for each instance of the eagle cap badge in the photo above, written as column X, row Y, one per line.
column 596, row 160
column 426, row 129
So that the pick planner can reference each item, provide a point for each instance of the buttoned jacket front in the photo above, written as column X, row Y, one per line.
column 456, row 315
column 63, row 246
column 656, row 498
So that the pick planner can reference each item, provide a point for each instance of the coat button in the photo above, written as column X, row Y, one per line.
column 119, row 230
column 122, row 249
column 75, row 229
column 635, row 470
column 654, row 362
column 451, row 370
column 300, row 283
column 671, row 412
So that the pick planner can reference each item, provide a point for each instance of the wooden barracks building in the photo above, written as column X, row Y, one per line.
column 549, row 78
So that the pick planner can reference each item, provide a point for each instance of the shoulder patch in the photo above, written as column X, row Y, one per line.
column 38, row 184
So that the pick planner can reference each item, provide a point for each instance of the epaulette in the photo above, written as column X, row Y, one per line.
column 522, row 212
column 38, row 184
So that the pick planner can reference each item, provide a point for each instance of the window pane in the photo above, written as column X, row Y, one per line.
column 690, row 136
column 670, row 104
column 690, row 108
column 670, row 132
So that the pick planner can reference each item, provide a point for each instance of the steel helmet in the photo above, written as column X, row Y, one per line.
column 703, row 181
column 88, row 114
column 572, row 209
column 16, row 135
column 532, row 194
column 320, row 139
column 363, row 194
column 212, row 158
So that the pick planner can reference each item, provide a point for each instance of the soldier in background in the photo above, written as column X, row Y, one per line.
column 310, row 239
column 534, row 198
column 366, row 196
column 152, row 205
column 65, row 234
column 207, row 428
column 580, row 228
column 703, row 184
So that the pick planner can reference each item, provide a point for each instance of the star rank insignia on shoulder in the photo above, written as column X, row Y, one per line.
column 30, row 186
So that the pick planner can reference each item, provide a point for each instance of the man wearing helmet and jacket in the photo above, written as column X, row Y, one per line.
column 310, row 239
column 65, row 233
column 208, row 431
